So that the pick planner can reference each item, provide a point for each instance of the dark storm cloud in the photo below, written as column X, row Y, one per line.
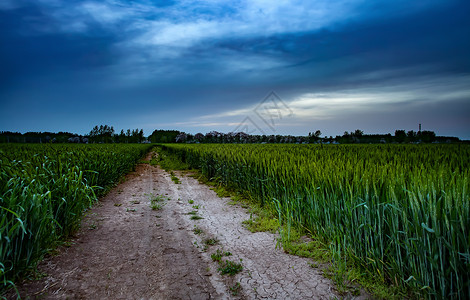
column 187, row 63
column 32, row 48
column 436, row 39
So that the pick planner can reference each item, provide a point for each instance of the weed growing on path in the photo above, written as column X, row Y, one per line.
column 157, row 202
column 174, row 178
column 230, row 267
column 211, row 241
column 197, row 230
column 217, row 256
column 235, row 289
column 225, row 266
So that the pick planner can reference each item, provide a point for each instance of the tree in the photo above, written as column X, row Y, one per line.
column 400, row 136
column 317, row 133
column 199, row 137
column 164, row 136
column 102, row 133
column 427, row 136
column 358, row 133
column 411, row 136
column 122, row 136
column 313, row 137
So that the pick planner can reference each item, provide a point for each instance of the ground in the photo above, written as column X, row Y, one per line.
column 127, row 250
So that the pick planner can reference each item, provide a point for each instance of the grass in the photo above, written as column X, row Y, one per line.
column 44, row 190
column 217, row 256
column 197, row 230
column 230, row 267
column 211, row 241
column 154, row 160
column 221, row 191
column 262, row 223
column 396, row 213
column 157, row 201
column 174, row 178
column 156, row 206
column 196, row 217
column 235, row 289
column 226, row 266
column 169, row 161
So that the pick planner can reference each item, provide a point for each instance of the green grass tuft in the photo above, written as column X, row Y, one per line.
column 230, row 267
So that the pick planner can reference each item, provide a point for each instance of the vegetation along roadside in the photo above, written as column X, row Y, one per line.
column 44, row 190
column 398, row 214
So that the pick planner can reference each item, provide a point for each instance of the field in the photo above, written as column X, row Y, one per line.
column 399, row 212
column 44, row 190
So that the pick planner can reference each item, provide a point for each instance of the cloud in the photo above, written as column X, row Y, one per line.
column 207, row 63
column 393, row 99
column 187, row 23
column 104, row 13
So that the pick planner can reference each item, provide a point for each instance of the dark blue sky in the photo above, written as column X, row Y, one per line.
column 199, row 66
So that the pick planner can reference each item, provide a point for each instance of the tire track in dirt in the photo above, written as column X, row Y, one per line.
column 269, row 273
column 125, row 250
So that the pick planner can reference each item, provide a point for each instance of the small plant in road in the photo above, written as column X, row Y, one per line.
column 217, row 256
column 230, row 267
column 157, row 202
column 235, row 289
column 197, row 230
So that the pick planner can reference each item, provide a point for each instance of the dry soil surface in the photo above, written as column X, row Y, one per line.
column 126, row 250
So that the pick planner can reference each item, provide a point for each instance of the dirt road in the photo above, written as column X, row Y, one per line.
column 126, row 250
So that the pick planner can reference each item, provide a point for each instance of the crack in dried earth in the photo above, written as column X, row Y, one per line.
column 126, row 250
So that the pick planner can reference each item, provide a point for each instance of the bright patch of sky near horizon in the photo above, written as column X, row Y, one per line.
column 199, row 66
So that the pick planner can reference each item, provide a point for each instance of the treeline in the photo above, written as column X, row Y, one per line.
column 400, row 137
column 352, row 137
column 164, row 136
column 36, row 137
column 99, row 134
column 106, row 134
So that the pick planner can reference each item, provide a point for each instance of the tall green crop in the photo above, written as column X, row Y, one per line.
column 44, row 190
column 400, row 211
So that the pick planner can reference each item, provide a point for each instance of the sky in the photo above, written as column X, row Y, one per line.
column 262, row 67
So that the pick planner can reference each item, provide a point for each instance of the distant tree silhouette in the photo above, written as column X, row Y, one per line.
column 400, row 136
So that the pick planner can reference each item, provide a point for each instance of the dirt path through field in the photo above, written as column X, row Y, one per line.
column 126, row 250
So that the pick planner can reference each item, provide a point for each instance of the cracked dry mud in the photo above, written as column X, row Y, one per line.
column 126, row 250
